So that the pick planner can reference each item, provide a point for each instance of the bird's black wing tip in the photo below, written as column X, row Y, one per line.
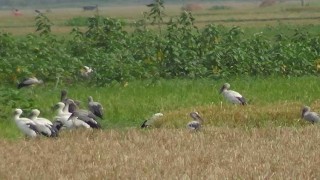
column 143, row 125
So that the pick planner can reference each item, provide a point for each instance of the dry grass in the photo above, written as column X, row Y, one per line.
column 226, row 115
column 213, row 153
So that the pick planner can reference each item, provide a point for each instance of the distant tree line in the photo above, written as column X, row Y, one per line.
column 89, row 2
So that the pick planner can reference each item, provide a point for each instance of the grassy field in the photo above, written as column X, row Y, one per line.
column 273, row 102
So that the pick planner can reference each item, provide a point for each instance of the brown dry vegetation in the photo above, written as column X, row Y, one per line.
column 226, row 115
column 213, row 153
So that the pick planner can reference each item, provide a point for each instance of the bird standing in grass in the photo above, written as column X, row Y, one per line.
column 72, row 106
column 95, row 107
column 309, row 116
column 149, row 122
column 196, row 123
column 29, row 82
column 232, row 96
column 43, row 125
column 61, row 116
column 77, row 123
column 26, row 126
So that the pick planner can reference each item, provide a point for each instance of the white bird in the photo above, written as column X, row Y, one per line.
column 62, row 116
column 312, row 117
column 86, row 71
column 196, row 123
column 149, row 122
column 29, row 82
column 77, row 123
column 60, row 110
column 232, row 96
column 43, row 125
column 26, row 126
column 95, row 107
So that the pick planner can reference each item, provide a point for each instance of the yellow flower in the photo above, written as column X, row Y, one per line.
column 317, row 64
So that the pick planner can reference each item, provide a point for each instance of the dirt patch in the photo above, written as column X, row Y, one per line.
column 192, row 7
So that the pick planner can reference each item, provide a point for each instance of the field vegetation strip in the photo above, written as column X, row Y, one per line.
column 166, row 153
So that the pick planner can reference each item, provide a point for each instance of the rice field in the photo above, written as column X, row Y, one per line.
column 213, row 153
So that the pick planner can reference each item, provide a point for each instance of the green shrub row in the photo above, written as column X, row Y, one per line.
column 172, row 49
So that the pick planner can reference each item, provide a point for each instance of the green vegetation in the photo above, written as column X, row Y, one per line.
column 272, row 102
column 181, row 50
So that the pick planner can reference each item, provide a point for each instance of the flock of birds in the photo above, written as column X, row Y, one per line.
column 70, row 116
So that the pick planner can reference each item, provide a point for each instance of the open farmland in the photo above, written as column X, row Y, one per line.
column 176, row 69
column 214, row 153
column 248, row 15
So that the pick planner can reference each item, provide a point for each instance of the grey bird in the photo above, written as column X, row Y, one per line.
column 57, row 125
column 29, row 82
column 90, row 121
column 64, row 99
column 84, row 115
column 196, row 123
column 95, row 107
column 149, row 122
column 309, row 116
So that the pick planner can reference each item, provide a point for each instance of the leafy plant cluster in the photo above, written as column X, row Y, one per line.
column 177, row 48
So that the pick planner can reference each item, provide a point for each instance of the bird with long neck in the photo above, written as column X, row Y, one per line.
column 196, row 123
column 309, row 116
column 25, row 125
column 232, row 96
column 72, row 106
column 44, row 126
column 95, row 107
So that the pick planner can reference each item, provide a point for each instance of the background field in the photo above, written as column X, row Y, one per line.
column 265, row 140
column 244, row 14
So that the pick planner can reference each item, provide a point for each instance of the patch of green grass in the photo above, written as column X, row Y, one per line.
column 77, row 21
column 273, row 101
